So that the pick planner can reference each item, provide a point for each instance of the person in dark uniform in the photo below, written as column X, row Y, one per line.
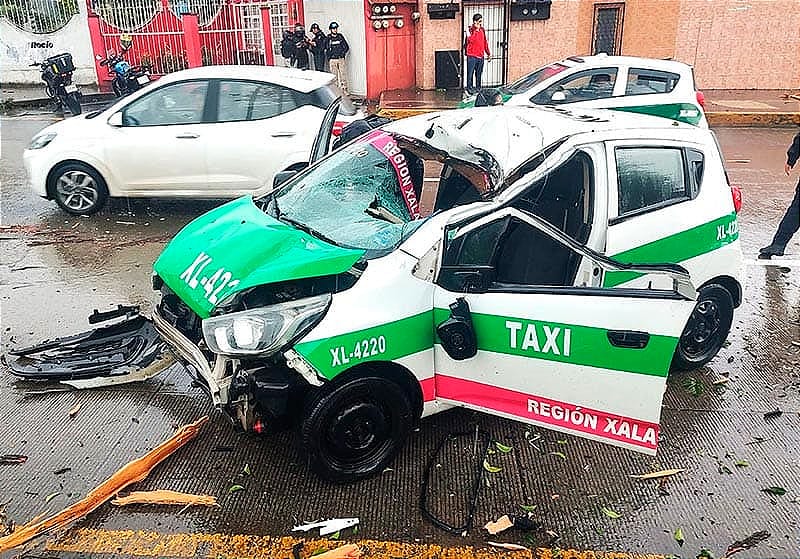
column 301, row 46
column 287, row 47
column 791, row 219
column 337, row 48
column 319, row 43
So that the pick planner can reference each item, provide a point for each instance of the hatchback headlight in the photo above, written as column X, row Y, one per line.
column 265, row 330
column 42, row 140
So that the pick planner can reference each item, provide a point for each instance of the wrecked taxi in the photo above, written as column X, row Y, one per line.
column 450, row 259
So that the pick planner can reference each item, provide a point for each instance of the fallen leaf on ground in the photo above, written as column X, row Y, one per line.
column 508, row 546
column 679, row 536
column 164, row 497
column 74, row 411
column 742, row 463
column 773, row 414
column 51, row 496
column 489, row 468
column 349, row 551
column 775, row 490
column 610, row 513
column 559, row 454
column 235, row 488
column 528, row 508
column 659, row 474
column 62, row 471
column 501, row 524
column 130, row 473
column 247, row 469
column 747, row 543
column 503, row 448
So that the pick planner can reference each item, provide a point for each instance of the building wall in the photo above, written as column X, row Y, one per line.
column 736, row 44
column 17, row 54
column 433, row 35
column 349, row 14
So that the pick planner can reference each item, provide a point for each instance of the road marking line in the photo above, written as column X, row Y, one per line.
column 131, row 543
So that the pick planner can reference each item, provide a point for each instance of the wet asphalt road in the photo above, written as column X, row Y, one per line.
column 55, row 269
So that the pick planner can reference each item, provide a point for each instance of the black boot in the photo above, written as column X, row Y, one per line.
column 769, row 251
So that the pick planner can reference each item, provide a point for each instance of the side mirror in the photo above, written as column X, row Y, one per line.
column 283, row 176
column 558, row 96
column 115, row 120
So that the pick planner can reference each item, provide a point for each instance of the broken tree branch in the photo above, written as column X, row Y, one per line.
column 132, row 472
column 164, row 497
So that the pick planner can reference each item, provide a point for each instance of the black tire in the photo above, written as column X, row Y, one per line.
column 115, row 85
column 706, row 330
column 77, row 188
column 73, row 103
column 355, row 430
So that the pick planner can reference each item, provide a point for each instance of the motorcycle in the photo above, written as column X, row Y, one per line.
column 126, row 78
column 57, row 74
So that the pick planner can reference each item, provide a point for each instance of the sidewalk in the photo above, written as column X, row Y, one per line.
column 25, row 96
column 724, row 107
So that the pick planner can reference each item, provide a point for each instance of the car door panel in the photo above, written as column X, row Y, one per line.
column 588, row 361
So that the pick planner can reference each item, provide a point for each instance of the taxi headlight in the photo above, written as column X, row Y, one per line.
column 265, row 330
column 42, row 140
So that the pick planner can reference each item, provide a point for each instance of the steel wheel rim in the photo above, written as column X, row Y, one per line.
column 77, row 190
column 704, row 330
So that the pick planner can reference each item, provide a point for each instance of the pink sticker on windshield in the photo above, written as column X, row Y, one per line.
column 385, row 144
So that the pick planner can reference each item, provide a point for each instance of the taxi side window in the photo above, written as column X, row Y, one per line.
column 645, row 82
column 653, row 177
column 507, row 255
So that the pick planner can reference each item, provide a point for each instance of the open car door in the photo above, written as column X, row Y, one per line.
column 322, row 143
column 517, row 337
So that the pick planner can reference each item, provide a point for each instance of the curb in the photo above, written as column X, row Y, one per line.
column 715, row 118
column 40, row 102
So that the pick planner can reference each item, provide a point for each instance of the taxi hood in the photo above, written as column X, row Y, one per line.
column 237, row 246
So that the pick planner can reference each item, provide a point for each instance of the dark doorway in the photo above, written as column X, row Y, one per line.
column 607, row 35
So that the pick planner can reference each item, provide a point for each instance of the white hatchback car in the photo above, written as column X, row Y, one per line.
column 640, row 85
column 210, row 132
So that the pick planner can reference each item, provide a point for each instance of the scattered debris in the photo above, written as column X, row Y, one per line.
column 693, row 386
column 721, row 381
column 659, row 474
column 500, row 525
column 679, row 536
column 757, row 440
column 165, row 497
column 508, row 546
column 327, row 526
column 747, row 543
column 777, row 412
column 349, row 551
column 775, row 490
column 559, row 454
column 235, row 488
column 62, row 471
column 610, row 512
column 6, row 524
column 51, row 496
column 742, row 464
column 704, row 554
column 503, row 448
column 528, row 508
column 132, row 472
column 74, row 411
column 13, row 459
column 489, row 468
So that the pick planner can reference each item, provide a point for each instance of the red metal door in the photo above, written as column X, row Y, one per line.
column 390, row 49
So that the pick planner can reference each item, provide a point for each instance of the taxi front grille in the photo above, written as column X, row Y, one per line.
column 179, row 315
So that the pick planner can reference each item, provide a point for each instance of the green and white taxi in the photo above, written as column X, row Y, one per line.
column 544, row 265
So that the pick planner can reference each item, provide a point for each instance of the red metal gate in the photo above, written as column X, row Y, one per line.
column 229, row 31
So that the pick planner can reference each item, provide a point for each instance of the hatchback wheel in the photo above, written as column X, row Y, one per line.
column 354, row 430
column 706, row 330
column 78, row 189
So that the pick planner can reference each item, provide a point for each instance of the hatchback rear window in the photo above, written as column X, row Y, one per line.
column 644, row 82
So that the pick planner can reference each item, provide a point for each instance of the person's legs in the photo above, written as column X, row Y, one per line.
column 343, row 76
column 470, row 69
column 478, row 72
column 319, row 62
column 788, row 226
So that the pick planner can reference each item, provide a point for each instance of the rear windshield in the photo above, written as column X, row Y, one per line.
column 327, row 93
column 534, row 78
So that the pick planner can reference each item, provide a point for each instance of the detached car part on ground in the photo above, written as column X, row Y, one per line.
column 354, row 300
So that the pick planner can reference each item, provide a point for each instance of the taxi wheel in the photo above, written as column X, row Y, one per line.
column 78, row 188
column 354, row 430
column 706, row 330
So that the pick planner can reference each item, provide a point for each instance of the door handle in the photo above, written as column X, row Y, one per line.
column 188, row 136
column 628, row 338
column 283, row 134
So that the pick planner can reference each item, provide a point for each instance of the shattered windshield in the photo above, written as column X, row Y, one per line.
column 369, row 194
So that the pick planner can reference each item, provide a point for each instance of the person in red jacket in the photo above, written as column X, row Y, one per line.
column 477, row 47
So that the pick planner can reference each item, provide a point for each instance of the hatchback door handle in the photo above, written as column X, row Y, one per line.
column 283, row 134
column 188, row 136
column 628, row 338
